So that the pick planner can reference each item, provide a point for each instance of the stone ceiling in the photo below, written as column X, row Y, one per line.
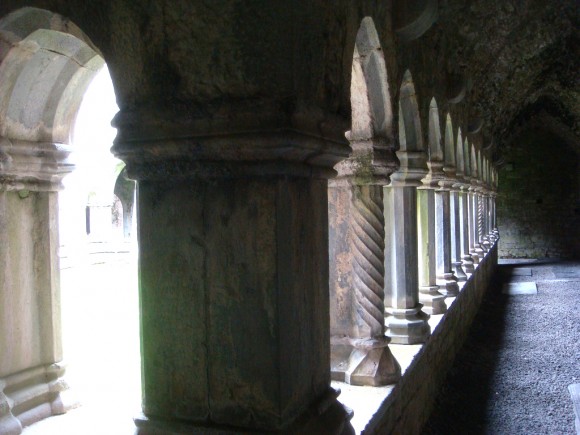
column 520, row 57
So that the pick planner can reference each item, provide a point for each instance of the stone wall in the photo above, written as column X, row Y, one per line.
column 538, row 203
column 409, row 405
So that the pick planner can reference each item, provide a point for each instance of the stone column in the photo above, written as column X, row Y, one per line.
column 233, row 276
column 406, row 322
column 474, row 246
column 125, row 191
column 451, row 182
column 359, row 351
column 359, row 347
column 486, row 242
column 494, row 186
column 463, row 175
column 31, row 369
column 433, row 301
column 446, row 280
column 480, row 192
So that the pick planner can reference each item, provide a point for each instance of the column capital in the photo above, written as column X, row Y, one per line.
column 371, row 162
column 35, row 166
column 435, row 174
column 157, row 146
column 412, row 170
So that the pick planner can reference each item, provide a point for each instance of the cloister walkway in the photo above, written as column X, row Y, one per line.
column 512, row 375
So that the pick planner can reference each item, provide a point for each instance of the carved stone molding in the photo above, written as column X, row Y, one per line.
column 36, row 166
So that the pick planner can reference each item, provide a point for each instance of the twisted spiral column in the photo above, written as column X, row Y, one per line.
column 368, row 229
column 480, row 216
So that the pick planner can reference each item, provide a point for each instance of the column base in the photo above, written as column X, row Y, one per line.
column 485, row 244
column 9, row 425
column 480, row 252
column 433, row 301
column 33, row 395
column 458, row 271
column 476, row 255
column 448, row 284
column 468, row 264
column 363, row 362
column 326, row 417
column 407, row 325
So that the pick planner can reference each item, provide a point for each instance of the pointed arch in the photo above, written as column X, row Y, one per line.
column 467, row 158
column 46, row 65
column 460, row 154
column 474, row 170
column 371, row 104
column 410, row 134
column 450, row 159
column 479, row 164
column 435, row 147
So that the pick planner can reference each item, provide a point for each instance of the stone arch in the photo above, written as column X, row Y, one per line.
column 410, row 135
column 371, row 106
column 435, row 147
column 474, row 164
column 413, row 18
column 46, row 65
column 460, row 153
column 467, row 165
column 450, row 159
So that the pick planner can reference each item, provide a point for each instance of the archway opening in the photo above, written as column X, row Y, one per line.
column 98, row 265
column 75, row 301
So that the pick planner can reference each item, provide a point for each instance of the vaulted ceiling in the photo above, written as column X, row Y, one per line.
column 520, row 59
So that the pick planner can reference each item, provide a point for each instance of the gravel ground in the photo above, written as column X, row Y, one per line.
column 523, row 351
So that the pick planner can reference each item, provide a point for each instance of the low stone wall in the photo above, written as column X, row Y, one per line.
column 409, row 405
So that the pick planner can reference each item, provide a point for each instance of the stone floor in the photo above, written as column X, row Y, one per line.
column 523, row 351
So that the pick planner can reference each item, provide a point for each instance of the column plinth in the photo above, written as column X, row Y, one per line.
column 408, row 325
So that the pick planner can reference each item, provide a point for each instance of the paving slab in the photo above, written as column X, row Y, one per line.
column 521, row 271
column 503, row 261
column 562, row 273
column 520, row 288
